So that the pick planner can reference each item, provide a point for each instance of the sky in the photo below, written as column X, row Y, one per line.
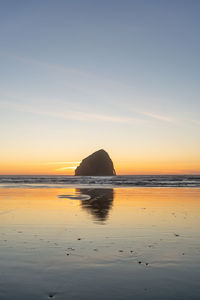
column 78, row 76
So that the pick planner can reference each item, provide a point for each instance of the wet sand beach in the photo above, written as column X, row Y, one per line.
column 99, row 243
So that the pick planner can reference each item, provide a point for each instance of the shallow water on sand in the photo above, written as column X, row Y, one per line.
column 121, row 243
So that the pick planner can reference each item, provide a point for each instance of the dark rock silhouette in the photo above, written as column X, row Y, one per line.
column 100, row 203
column 97, row 164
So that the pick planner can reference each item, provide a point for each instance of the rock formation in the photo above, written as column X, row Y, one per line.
column 96, row 164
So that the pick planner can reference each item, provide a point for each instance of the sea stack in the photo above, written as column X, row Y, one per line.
column 98, row 163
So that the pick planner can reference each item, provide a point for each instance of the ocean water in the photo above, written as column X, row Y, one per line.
column 99, row 181
column 123, row 237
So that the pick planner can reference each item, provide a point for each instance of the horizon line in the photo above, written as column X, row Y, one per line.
column 138, row 174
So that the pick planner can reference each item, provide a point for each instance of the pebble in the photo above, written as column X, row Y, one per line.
column 51, row 295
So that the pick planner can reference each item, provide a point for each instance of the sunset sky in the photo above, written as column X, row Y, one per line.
column 78, row 76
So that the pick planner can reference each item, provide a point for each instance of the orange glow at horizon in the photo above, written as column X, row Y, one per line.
column 122, row 168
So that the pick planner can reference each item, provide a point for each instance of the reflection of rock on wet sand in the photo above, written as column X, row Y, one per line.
column 100, row 203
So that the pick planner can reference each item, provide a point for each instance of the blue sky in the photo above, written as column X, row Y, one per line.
column 76, row 76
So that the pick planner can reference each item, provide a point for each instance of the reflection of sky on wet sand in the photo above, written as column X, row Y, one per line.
column 92, row 249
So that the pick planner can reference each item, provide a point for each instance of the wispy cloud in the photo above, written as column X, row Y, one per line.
column 62, row 162
column 73, row 164
column 157, row 116
column 66, row 168
column 69, row 114
column 43, row 64
column 115, row 93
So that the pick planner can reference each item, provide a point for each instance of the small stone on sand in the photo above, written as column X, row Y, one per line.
column 51, row 295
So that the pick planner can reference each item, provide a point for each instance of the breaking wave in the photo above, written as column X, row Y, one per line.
column 100, row 181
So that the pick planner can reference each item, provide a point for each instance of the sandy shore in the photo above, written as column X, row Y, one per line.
column 128, row 243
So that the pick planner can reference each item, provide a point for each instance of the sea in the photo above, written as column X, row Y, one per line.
column 100, row 181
